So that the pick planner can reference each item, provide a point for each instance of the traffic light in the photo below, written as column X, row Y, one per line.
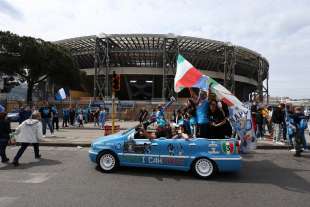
column 116, row 82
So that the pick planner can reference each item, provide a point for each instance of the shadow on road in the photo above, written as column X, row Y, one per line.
column 253, row 172
column 158, row 174
column 267, row 172
column 42, row 162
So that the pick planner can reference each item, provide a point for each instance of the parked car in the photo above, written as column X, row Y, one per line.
column 13, row 116
column 203, row 156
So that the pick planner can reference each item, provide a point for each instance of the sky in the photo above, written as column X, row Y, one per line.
column 277, row 29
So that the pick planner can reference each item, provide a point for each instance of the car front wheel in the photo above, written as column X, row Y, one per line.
column 107, row 162
column 204, row 168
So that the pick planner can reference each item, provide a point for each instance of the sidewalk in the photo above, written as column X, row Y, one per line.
column 74, row 137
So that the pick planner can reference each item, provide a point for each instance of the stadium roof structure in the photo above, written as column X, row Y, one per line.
column 160, row 50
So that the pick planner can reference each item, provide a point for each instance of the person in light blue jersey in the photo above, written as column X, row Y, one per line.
column 102, row 118
column 202, row 105
column 65, row 117
column 163, row 126
column 191, row 112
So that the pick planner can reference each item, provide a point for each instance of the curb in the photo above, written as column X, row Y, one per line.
column 59, row 144
column 47, row 144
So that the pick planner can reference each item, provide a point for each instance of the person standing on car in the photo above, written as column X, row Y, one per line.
column 5, row 131
column 29, row 132
column 217, row 121
column 46, row 115
column 191, row 112
column 202, row 105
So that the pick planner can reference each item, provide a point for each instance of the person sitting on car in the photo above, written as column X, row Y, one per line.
column 143, row 134
column 180, row 133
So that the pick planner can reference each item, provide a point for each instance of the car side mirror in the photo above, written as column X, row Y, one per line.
column 131, row 136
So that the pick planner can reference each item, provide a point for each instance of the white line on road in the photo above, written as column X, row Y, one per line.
column 7, row 201
column 37, row 178
column 34, row 178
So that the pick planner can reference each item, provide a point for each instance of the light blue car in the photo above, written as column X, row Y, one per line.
column 203, row 156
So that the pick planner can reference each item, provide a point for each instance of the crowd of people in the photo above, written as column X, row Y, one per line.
column 204, row 116
column 33, row 124
column 201, row 116
column 283, row 123
column 71, row 116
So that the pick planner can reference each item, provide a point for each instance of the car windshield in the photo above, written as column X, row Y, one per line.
column 130, row 129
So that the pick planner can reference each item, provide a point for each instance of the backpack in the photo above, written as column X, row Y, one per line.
column 303, row 124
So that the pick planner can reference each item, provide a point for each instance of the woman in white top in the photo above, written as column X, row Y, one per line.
column 29, row 132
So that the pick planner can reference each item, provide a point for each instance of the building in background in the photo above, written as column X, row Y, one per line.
column 147, row 63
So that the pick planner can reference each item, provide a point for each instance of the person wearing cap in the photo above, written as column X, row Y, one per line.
column 5, row 131
column 29, row 133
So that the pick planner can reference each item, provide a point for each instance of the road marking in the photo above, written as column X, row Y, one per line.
column 37, row 178
column 7, row 201
column 34, row 178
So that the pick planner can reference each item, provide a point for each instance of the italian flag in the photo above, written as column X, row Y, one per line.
column 187, row 76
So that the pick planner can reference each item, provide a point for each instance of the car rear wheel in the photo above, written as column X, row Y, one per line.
column 107, row 162
column 204, row 168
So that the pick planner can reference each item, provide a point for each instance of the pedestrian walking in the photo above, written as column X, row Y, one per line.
column 299, row 122
column 28, row 133
column 65, row 117
column 102, row 118
column 72, row 116
column 278, row 118
column 80, row 119
column 254, row 111
column 46, row 115
column 55, row 119
column 5, row 131
column 260, row 122
column 96, row 117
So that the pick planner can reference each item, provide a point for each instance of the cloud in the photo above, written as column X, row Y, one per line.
column 278, row 29
column 7, row 9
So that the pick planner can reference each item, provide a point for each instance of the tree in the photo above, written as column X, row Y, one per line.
column 36, row 60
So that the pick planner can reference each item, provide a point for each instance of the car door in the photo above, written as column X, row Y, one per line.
column 140, row 152
column 174, row 153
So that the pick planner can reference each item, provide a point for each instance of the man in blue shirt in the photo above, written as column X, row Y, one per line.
column 65, row 117
column 202, row 105
column 46, row 115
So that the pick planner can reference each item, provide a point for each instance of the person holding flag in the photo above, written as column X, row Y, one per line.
column 187, row 76
column 202, row 105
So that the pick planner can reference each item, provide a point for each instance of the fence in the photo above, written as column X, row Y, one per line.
column 125, row 110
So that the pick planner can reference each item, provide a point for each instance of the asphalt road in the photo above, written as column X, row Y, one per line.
column 65, row 177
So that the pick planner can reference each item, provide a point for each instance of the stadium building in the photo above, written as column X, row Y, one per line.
column 147, row 64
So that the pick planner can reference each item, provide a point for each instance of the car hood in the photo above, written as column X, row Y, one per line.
column 109, row 138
